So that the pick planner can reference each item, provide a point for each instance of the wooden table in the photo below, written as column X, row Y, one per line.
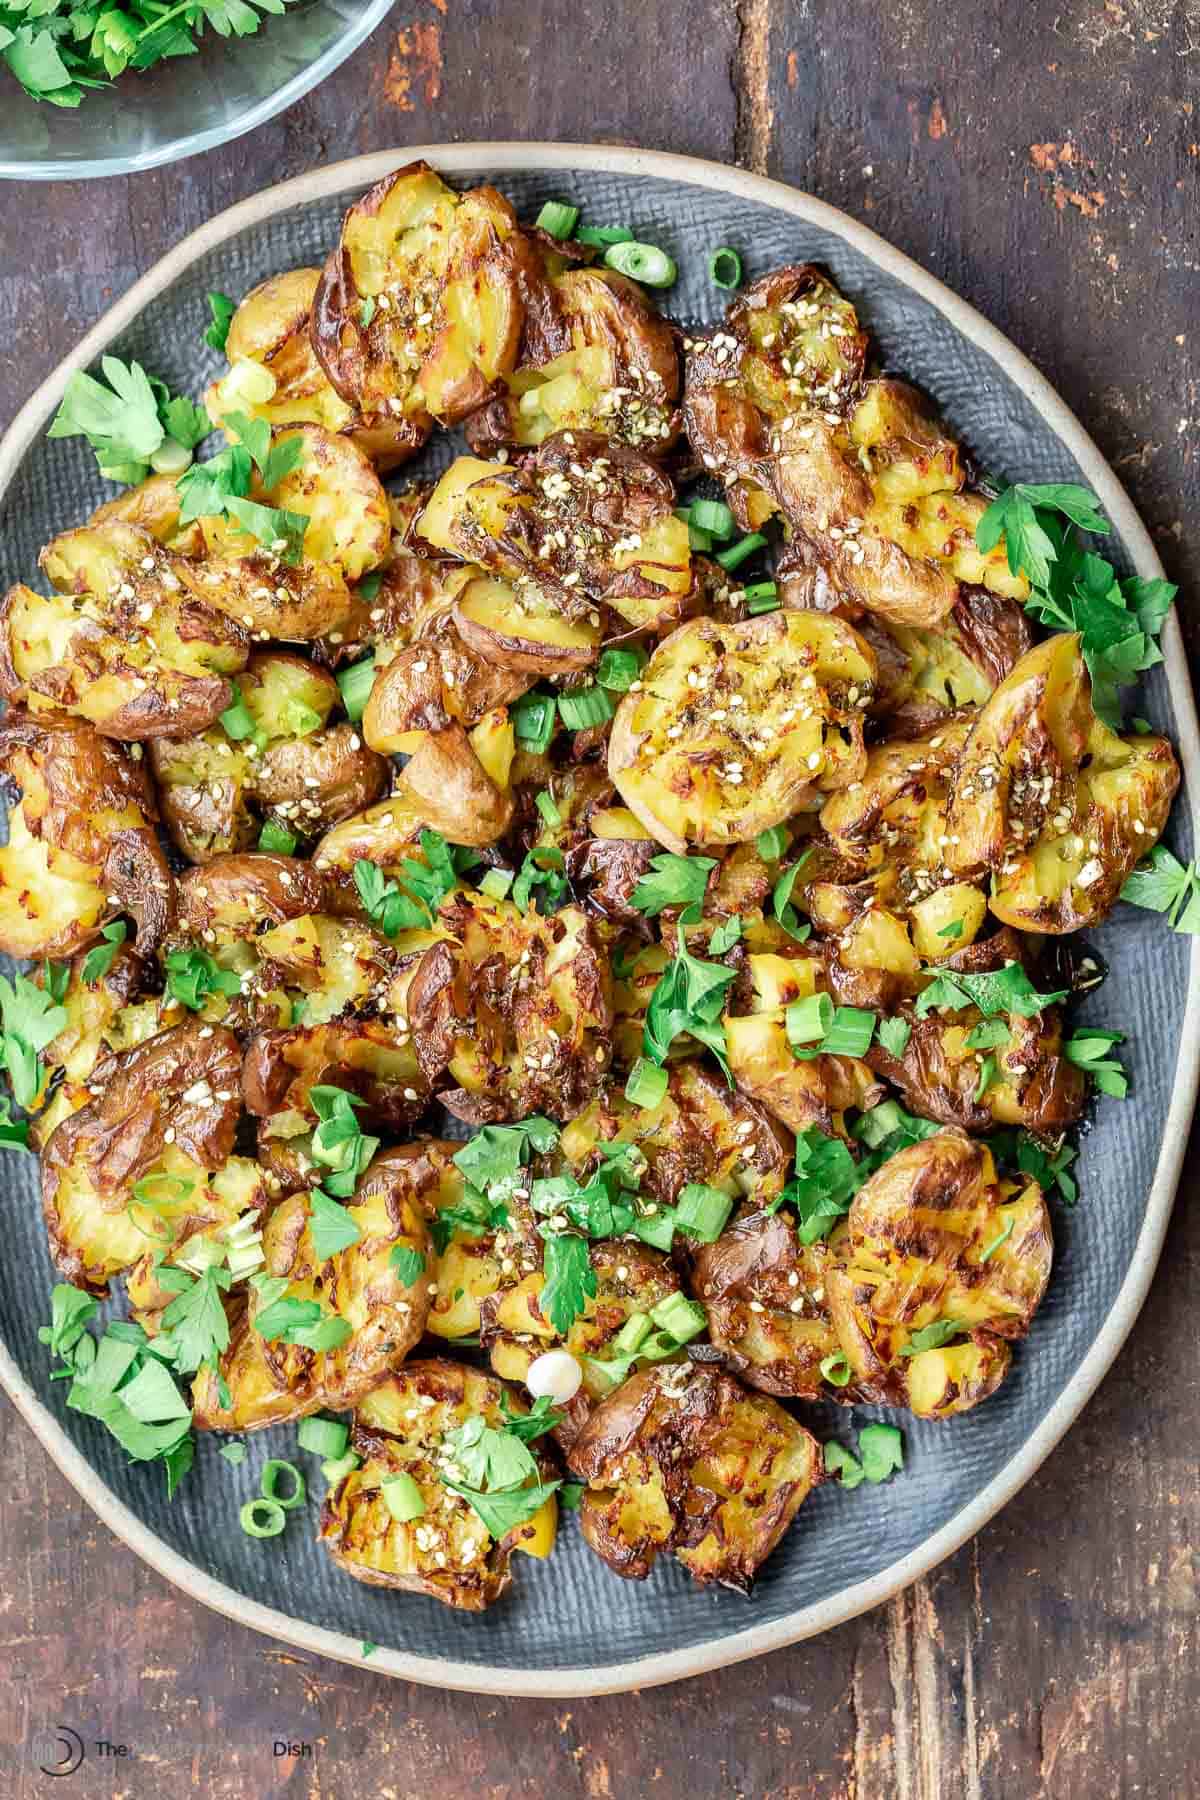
column 1043, row 159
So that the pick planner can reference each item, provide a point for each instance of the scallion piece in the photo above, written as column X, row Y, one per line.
column 725, row 267
column 338, row 1471
column 262, row 1518
column 402, row 1496
column 326, row 1438
column 632, row 1334
column 656, row 1229
column 737, row 553
column 714, row 517
column 238, row 719
column 647, row 1085
column 587, row 707
column 761, row 597
column 702, row 1211
column 809, row 1020
column 496, row 883
column 558, row 219
column 275, row 840
column 546, row 807
column 601, row 236
column 682, row 1317
column 533, row 721
column 851, row 1032
column 301, row 719
column 619, row 669
column 356, row 683
column 698, row 538
column 836, row 1369
column 642, row 262
column 275, row 1471
column 773, row 844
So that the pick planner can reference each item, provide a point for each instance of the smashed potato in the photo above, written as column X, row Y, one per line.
column 737, row 727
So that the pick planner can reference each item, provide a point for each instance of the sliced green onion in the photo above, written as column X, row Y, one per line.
column 587, row 707
column 601, row 236
column 276, row 840
column 159, row 1189
column 262, row 1518
column 238, row 719
column 275, row 1471
column 698, row 538
column 851, row 1032
column 725, row 267
column 366, row 311
column 809, row 1020
column 356, row 683
column 533, row 721
column 496, row 883
column 401, row 1495
column 714, row 517
column 632, row 1334
column 559, row 221
column 773, row 844
column 656, row 1229
column 682, row 1317
column 619, row 669
column 643, row 262
column 737, row 553
column 549, row 811
column 836, row 1369
column 647, row 1085
column 761, row 597
column 301, row 719
column 326, row 1438
column 247, row 384
column 702, row 1211
column 338, row 1471
column 171, row 457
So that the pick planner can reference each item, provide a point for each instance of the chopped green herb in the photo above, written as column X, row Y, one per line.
column 881, row 1448
column 29, row 1020
column 893, row 1035
column 98, row 961
column 1007, row 990
column 222, row 309
column 1088, row 1048
column 1161, row 883
column 408, row 1263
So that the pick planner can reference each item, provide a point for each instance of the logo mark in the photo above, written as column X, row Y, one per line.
column 69, row 1745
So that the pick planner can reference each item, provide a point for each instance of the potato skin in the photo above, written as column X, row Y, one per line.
column 447, row 1554
column 84, row 843
column 236, row 896
column 93, row 1158
column 683, row 1458
column 447, row 785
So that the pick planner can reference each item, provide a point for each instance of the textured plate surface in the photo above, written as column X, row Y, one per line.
column 569, row 1626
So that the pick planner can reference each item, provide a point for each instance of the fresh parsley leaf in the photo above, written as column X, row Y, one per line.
column 302, row 1322
column 222, row 309
column 542, row 868
column 14, row 1133
column 839, row 1461
column 1014, row 516
column 56, row 979
column 205, row 487
column 534, row 1424
column 503, row 1512
column 570, row 1494
column 472, row 1216
column 272, row 459
column 826, row 1180
column 689, row 996
column 1161, row 883
column 495, row 1154
column 570, row 1279
column 1006, row 990
column 672, row 881
column 330, row 1225
column 29, row 1019
column 989, row 1034
column 726, row 935
column 935, row 1336
column 182, row 420
column 100, row 960
column 988, row 1072
column 1049, row 1169
column 339, row 1141
column 1088, row 1048
column 408, row 1263
column 782, row 905
column 887, row 1128
column 893, row 1035
column 953, row 930
column 277, row 529
column 195, row 1319
column 881, row 1448
column 71, row 1311
column 120, row 421
column 192, row 976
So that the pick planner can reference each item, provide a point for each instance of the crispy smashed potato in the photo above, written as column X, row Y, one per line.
column 81, row 846
column 446, row 1552
column 739, row 726
column 683, row 1459
column 1058, row 807
column 933, row 1239
column 131, row 641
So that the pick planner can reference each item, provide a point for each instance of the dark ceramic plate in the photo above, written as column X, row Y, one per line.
column 568, row 1626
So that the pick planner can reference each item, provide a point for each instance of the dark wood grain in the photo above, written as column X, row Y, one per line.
column 1044, row 160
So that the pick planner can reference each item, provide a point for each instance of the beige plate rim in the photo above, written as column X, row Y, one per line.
column 507, row 158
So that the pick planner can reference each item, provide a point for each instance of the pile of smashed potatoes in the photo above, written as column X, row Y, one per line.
column 509, row 803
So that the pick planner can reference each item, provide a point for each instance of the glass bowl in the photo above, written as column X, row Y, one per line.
column 184, row 104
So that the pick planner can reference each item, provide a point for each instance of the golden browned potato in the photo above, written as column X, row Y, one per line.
column 81, row 842
column 295, row 769
column 439, row 680
column 684, row 1459
column 465, row 1262
column 586, row 523
column 602, row 359
column 270, row 332
column 167, row 1107
column 934, row 1240
column 94, row 1012
column 701, row 1130
column 737, row 727
column 878, row 510
column 510, row 1013
column 270, row 1379
column 420, row 307
column 336, row 964
column 927, row 674
column 790, row 348
column 128, row 642
column 764, row 1292
column 363, row 1056
column 446, row 1551
column 154, row 505
column 457, row 782
column 385, row 834
column 1058, row 807
column 240, row 896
